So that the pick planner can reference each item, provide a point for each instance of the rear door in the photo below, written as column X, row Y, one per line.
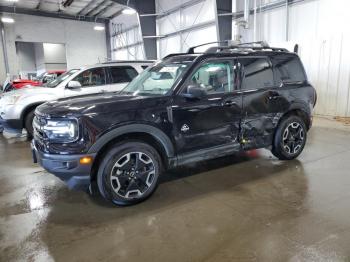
column 261, row 102
column 214, row 119
column 120, row 76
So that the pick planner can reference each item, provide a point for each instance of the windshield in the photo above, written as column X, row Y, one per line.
column 157, row 80
column 41, row 76
column 61, row 78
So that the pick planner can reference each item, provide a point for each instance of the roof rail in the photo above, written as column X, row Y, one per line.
column 243, row 48
column 191, row 49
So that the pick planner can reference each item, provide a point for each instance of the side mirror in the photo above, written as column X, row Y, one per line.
column 73, row 85
column 194, row 92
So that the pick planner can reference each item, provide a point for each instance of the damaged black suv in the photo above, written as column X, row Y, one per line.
column 185, row 108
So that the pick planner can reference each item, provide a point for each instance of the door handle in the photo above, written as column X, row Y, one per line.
column 103, row 91
column 229, row 103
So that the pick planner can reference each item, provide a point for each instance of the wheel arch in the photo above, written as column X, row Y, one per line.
column 27, row 109
column 300, row 111
column 141, row 132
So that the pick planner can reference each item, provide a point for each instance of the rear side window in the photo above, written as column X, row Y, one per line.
column 256, row 73
column 288, row 69
column 122, row 74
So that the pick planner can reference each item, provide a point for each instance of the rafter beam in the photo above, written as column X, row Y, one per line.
column 26, row 11
column 104, row 10
column 85, row 8
column 93, row 10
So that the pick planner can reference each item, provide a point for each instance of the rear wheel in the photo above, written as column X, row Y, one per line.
column 28, row 123
column 129, row 173
column 290, row 138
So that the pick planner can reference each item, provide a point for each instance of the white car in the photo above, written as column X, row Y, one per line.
column 17, row 107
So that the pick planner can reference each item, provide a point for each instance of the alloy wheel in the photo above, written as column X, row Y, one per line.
column 293, row 138
column 132, row 175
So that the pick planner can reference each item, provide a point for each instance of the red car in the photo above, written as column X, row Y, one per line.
column 39, row 81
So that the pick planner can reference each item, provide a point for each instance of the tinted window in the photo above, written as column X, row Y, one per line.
column 288, row 69
column 123, row 74
column 92, row 77
column 214, row 77
column 257, row 73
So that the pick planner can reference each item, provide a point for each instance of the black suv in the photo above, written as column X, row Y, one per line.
column 186, row 108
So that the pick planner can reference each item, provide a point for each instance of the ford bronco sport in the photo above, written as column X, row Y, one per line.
column 187, row 107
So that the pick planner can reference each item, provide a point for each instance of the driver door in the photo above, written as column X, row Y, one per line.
column 92, row 81
column 212, row 120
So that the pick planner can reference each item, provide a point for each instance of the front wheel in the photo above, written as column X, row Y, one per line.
column 28, row 124
column 290, row 138
column 129, row 173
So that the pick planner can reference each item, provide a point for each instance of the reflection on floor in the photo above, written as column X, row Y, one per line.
column 250, row 207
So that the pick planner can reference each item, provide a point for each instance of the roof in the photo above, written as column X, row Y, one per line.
column 105, row 9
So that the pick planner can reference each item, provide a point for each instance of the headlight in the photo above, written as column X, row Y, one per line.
column 11, row 100
column 61, row 130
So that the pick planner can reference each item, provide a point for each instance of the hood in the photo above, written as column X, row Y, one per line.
column 29, row 90
column 89, row 104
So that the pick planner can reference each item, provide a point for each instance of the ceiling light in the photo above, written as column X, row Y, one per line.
column 128, row 11
column 12, row 0
column 99, row 27
column 7, row 20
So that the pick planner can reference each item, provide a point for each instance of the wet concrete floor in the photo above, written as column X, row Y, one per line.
column 250, row 207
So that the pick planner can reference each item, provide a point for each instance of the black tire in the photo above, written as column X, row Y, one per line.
column 130, row 186
column 28, row 124
column 288, row 144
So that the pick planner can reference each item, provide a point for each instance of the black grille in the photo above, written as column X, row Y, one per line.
column 38, row 124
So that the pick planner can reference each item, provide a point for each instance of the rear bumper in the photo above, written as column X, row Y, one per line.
column 65, row 167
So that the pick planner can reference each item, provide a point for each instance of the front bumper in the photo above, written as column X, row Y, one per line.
column 1, row 124
column 12, row 125
column 65, row 167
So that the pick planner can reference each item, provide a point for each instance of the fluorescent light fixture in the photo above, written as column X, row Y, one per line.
column 99, row 27
column 7, row 20
column 128, row 11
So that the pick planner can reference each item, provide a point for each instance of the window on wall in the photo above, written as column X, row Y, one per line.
column 256, row 72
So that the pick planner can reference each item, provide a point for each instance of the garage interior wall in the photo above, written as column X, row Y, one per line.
column 84, row 46
column 320, row 28
column 184, row 25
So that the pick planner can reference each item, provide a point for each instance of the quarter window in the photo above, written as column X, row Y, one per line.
column 214, row 77
column 256, row 72
column 92, row 77
column 123, row 74
column 288, row 69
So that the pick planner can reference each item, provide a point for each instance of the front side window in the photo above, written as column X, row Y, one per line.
column 158, row 79
column 256, row 73
column 288, row 69
column 123, row 74
column 61, row 78
column 92, row 77
column 214, row 77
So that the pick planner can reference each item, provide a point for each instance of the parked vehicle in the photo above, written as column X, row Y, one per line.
column 39, row 81
column 17, row 107
column 186, row 108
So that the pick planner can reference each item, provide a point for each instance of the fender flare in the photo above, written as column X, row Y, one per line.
column 156, row 133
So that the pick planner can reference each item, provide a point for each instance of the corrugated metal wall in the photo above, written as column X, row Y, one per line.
column 321, row 28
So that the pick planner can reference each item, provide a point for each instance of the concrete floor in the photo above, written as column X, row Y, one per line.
column 244, row 208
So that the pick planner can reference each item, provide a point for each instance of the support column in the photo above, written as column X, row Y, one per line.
column 4, row 49
column 148, row 26
column 108, row 41
column 224, row 22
